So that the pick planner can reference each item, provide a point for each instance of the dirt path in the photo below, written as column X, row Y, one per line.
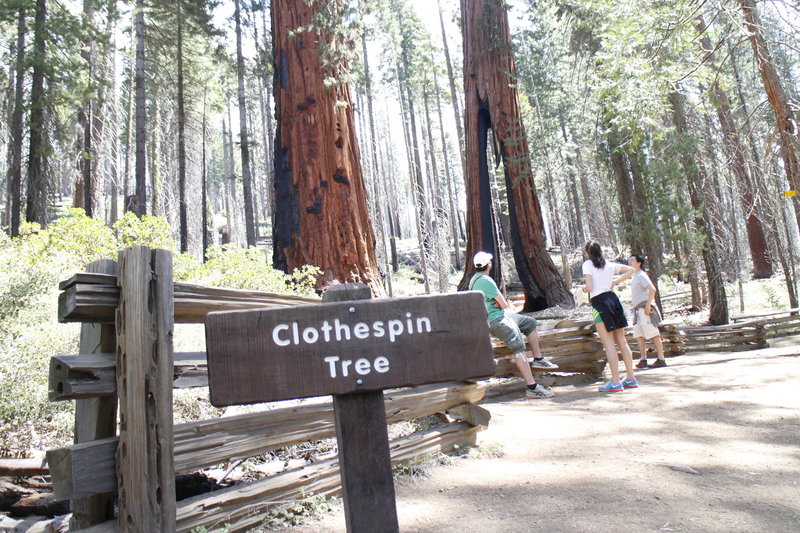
column 587, row 461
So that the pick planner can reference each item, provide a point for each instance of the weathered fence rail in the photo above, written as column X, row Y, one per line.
column 127, row 368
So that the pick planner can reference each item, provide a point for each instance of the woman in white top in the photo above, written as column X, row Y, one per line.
column 607, row 312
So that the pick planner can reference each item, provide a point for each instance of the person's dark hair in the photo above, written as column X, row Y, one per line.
column 639, row 259
column 484, row 268
column 595, row 253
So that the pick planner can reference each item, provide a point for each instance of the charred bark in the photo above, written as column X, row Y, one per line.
column 321, row 206
column 492, row 101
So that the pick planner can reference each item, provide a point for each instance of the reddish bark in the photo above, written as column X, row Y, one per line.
column 492, row 101
column 762, row 266
column 321, row 215
column 786, row 123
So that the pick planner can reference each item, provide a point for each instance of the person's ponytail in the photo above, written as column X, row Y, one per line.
column 595, row 253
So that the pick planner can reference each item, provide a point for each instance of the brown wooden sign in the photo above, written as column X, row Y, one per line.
column 338, row 348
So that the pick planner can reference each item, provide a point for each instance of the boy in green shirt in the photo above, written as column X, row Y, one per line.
column 510, row 327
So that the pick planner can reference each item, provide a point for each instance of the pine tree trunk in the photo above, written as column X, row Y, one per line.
column 379, row 199
column 695, row 178
column 183, row 217
column 204, row 183
column 321, row 205
column 624, row 189
column 453, row 94
column 14, row 175
column 786, row 123
column 157, row 203
column 492, row 102
column 449, row 184
column 139, row 202
column 762, row 266
column 129, row 125
column 36, row 209
column 247, row 177
column 268, row 129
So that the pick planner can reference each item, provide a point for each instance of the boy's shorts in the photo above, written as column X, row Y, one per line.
column 512, row 329
column 644, row 327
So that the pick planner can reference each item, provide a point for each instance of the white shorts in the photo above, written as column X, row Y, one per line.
column 644, row 328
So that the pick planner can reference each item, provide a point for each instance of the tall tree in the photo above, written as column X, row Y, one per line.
column 38, row 183
column 695, row 177
column 14, row 174
column 139, row 203
column 762, row 267
column 247, row 177
column 183, row 215
column 321, row 215
column 786, row 123
column 492, row 102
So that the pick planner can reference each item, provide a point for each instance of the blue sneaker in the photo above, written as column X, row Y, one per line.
column 610, row 387
column 630, row 383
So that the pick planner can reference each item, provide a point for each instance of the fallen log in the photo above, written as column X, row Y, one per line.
column 23, row 467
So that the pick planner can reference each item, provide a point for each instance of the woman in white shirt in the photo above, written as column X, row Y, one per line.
column 607, row 312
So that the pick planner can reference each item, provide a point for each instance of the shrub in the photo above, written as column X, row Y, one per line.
column 31, row 267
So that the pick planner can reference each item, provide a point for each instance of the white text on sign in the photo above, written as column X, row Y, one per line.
column 290, row 333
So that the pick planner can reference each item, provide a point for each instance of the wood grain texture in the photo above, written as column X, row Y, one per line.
column 88, row 297
column 246, row 364
column 145, row 471
column 95, row 417
column 206, row 443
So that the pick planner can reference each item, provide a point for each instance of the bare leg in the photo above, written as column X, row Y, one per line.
column 627, row 356
column 642, row 348
column 659, row 346
column 533, row 342
column 611, row 351
column 524, row 368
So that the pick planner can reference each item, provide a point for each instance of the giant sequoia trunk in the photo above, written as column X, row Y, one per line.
column 785, row 121
column 321, row 215
column 762, row 267
column 492, row 102
column 695, row 178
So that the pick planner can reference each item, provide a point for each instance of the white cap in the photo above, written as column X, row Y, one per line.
column 481, row 259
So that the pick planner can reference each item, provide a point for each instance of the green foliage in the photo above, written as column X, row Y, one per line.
column 146, row 231
column 31, row 267
column 229, row 266
column 295, row 513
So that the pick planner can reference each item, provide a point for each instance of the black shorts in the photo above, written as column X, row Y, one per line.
column 610, row 310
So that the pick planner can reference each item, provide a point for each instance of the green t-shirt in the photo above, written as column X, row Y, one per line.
column 485, row 284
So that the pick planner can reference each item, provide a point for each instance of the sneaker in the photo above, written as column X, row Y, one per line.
column 543, row 363
column 642, row 363
column 610, row 387
column 539, row 392
column 630, row 383
column 658, row 363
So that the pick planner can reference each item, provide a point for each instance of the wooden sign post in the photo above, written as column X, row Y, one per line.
column 352, row 348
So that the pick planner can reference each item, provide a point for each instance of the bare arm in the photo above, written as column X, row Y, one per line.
column 587, row 279
column 500, row 302
column 651, row 296
column 628, row 273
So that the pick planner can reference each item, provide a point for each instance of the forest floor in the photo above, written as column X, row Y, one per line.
column 710, row 443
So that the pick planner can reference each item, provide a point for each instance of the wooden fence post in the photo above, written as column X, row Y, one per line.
column 145, row 321
column 95, row 418
column 364, row 459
